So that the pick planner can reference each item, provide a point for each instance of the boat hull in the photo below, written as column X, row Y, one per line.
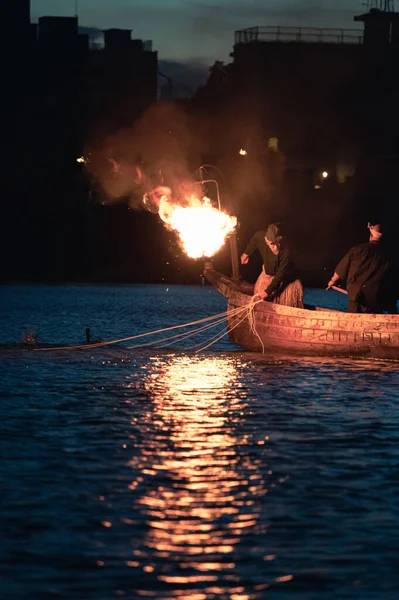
column 269, row 327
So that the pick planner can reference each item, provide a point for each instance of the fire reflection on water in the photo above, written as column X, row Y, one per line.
column 204, row 497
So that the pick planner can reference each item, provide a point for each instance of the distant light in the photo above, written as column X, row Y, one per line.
column 317, row 187
column 272, row 143
column 324, row 174
column 243, row 152
column 81, row 159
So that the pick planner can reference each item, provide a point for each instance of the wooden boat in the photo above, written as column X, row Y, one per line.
column 312, row 331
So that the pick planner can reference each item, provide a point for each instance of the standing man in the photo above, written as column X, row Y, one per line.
column 278, row 281
column 368, row 270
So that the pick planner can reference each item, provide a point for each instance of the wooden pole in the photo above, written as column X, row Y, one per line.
column 235, row 269
column 338, row 289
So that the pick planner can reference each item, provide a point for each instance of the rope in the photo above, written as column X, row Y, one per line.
column 244, row 308
column 217, row 319
column 132, row 337
column 183, row 335
column 251, row 321
column 232, row 313
column 203, row 328
column 211, row 338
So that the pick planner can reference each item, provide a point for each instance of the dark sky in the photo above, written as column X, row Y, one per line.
column 200, row 31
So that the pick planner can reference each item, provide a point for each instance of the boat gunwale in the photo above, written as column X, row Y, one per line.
column 290, row 311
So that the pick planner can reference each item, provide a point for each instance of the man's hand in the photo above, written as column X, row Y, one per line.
column 259, row 296
column 329, row 285
column 332, row 281
column 244, row 258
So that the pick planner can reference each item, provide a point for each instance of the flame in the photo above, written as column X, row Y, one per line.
column 201, row 227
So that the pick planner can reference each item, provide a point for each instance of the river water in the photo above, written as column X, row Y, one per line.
column 159, row 472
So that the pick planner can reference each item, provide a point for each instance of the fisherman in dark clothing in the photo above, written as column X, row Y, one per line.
column 278, row 281
column 368, row 270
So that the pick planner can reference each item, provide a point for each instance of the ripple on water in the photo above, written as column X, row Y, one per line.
column 166, row 474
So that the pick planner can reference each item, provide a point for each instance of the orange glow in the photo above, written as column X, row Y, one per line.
column 204, row 566
column 148, row 569
column 195, row 494
column 201, row 227
column 192, row 579
column 284, row 578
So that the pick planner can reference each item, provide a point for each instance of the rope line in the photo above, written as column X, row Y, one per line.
column 198, row 330
column 210, row 322
column 133, row 337
column 232, row 313
column 223, row 334
column 194, row 346
column 230, row 328
column 251, row 321
column 181, row 335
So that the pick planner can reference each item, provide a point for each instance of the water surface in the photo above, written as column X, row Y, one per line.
column 166, row 473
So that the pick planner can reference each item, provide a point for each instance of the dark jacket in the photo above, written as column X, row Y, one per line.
column 369, row 272
column 280, row 266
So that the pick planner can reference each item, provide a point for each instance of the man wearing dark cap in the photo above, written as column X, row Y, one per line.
column 278, row 281
column 368, row 270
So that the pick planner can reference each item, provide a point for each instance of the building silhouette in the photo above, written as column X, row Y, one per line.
column 119, row 81
column 314, row 109
column 15, row 19
column 16, row 15
column 315, row 112
column 58, row 90
column 327, row 95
